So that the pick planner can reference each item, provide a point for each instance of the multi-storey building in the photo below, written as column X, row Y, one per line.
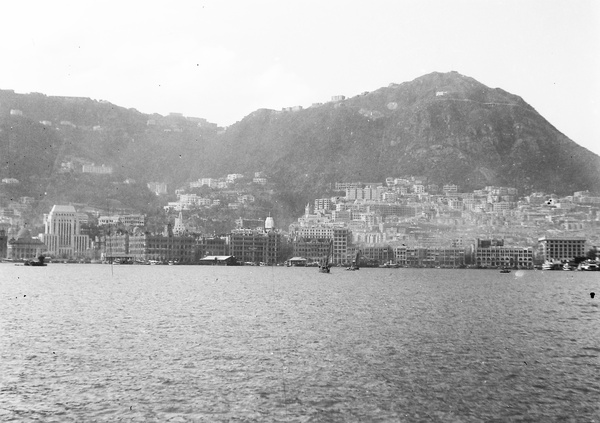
column 312, row 249
column 145, row 247
column 504, row 256
column 561, row 249
column 127, row 220
column 341, row 244
column 62, row 235
column 211, row 246
column 255, row 246
column 24, row 246
column 376, row 254
column 429, row 256
column 323, row 204
column 98, row 170
column 3, row 243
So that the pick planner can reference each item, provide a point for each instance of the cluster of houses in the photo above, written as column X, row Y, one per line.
column 402, row 221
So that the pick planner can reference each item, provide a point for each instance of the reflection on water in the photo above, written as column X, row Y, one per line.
column 209, row 344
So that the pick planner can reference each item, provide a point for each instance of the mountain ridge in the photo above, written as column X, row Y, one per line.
column 445, row 127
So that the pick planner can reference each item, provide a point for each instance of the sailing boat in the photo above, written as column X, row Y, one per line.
column 324, row 266
column 354, row 265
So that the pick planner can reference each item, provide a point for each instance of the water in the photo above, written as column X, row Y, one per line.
column 260, row 344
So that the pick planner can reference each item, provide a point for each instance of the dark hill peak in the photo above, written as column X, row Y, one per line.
column 443, row 125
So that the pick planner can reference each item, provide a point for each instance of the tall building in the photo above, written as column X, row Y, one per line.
column 3, row 243
column 62, row 235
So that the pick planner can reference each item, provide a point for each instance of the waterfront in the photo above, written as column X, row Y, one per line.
column 210, row 344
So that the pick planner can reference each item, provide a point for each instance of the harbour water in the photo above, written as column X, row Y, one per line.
column 100, row 343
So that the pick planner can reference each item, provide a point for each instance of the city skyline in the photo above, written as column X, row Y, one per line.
column 223, row 60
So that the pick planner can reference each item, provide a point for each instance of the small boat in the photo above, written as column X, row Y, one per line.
column 354, row 265
column 39, row 262
column 324, row 265
column 505, row 270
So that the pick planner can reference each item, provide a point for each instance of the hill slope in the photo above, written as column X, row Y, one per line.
column 444, row 126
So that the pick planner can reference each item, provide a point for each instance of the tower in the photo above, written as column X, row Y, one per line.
column 62, row 232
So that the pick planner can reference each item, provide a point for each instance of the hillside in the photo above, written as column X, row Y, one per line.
column 42, row 136
column 445, row 127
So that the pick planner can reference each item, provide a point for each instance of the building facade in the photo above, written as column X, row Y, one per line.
column 62, row 235
column 561, row 249
column 504, row 256
column 255, row 246
column 24, row 247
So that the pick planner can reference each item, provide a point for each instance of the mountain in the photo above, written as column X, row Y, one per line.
column 45, row 140
column 445, row 127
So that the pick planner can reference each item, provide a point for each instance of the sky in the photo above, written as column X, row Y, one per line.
column 223, row 59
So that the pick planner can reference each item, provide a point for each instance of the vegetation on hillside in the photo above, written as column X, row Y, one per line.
column 444, row 127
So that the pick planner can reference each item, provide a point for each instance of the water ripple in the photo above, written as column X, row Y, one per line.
column 206, row 344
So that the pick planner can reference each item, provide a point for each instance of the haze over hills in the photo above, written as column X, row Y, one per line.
column 446, row 127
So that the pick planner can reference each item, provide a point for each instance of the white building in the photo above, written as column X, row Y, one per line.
column 98, row 170
column 63, row 233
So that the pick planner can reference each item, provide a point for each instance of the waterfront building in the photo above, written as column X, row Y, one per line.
column 409, row 256
column 211, row 246
column 376, row 254
column 341, row 244
column 24, row 246
column 432, row 256
column 504, row 256
column 313, row 249
column 561, row 249
column 255, row 246
column 162, row 248
column 3, row 243
column 62, row 234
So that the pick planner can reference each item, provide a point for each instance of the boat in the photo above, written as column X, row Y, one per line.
column 552, row 265
column 587, row 266
column 324, row 265
column 354, row 265
column 504, row 270
column 39, row 262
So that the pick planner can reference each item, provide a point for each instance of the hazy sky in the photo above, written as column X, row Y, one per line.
column 223, row 59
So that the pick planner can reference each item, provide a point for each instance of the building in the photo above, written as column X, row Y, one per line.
column 313, row 249
column 24, row 247
column 158, row 188
column 255, row 246
column 429, row 256
column 62, row 234
column 3, row 243
column 375, row 255
column 146, row 247
column 243, row 223
column 98, row 170
column 561, row 249
column 504, row 256
column 211, row 246
column 323, row 204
